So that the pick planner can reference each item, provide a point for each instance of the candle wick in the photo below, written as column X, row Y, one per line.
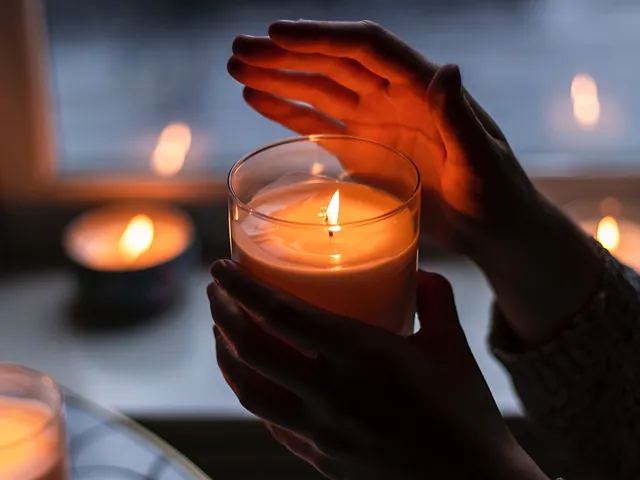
column 325, row 221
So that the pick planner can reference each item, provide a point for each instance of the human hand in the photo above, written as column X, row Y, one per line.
column 362, row 80
column 361, row 402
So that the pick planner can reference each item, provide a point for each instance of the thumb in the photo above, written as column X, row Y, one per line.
column 439, row 323
column 464, row 137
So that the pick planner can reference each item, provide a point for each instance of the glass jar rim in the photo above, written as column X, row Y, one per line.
column 56, row 410
column 316, row 138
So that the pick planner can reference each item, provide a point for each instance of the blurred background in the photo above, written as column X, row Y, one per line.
column 121, row 76
column 122, row 70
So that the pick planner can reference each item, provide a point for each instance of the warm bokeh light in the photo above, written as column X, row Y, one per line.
column 586, row 105
column 172, row 149
column 583, row 84
column 333, row 212
column 317, row 168
column 608, row 233
column 137, row 237
column 586, row 111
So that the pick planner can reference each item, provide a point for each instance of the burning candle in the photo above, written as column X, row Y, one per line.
column 347, row 247
column 32, row 444
column 620, row 236
column 611, row 224
column 130, row 256
column 128, row 238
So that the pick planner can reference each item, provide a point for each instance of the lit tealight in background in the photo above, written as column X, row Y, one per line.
column 586, row 104
column 614, row 224
column 585, row 117
column 171, row 150
column 133, row 257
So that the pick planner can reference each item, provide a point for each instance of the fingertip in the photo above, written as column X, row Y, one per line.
column 254, row 48
column 239, row 42
column 235, row 66
column 220, row 267
column 436, row 307
column 211, row 288
column 431, row 284
column 450, row 78
column 281, row 27
column 434, row 295
column 266, row 103
column 249, row 94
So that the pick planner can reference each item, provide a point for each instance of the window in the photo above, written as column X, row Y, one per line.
column 122, row 71
column 123, row 75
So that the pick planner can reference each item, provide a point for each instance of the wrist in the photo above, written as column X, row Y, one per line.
column 518, row 464
column 543, row 275
column 506, row 460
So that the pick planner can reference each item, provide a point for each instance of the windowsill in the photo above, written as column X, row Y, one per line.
column 167, row 367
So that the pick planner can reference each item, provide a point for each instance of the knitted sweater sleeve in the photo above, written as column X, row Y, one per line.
column 583, row 388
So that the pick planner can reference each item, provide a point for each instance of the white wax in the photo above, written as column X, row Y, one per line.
column 365, row 271
column 628, row 249
column 31, row 448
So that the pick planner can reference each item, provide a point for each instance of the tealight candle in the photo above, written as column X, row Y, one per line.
column 345, row 246
column 130, row 257
column 611, row 224
column 32, row 443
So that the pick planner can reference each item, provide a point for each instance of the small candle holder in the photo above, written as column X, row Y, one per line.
column 32, row 437
column 130, row 261
column 333, row 220
column 614, row 223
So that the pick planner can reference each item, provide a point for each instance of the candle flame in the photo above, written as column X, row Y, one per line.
column 333, row 211
column 171, row 151
column 608, row 233
column 586, row 105
column 137, row 237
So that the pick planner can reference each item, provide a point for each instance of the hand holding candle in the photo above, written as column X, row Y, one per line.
column 345, row 246
column 364, row 404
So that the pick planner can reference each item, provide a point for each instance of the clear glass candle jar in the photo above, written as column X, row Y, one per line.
column 333, row 220
column 32, row 432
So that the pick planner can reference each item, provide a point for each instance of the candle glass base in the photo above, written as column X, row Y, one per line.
column 32, row 433
column 356, row 258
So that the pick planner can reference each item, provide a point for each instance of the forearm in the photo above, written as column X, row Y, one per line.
column 581, row 387
column 543, row 275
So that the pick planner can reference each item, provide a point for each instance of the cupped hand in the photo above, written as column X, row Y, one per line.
column 357, row 78
column 360, row 402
